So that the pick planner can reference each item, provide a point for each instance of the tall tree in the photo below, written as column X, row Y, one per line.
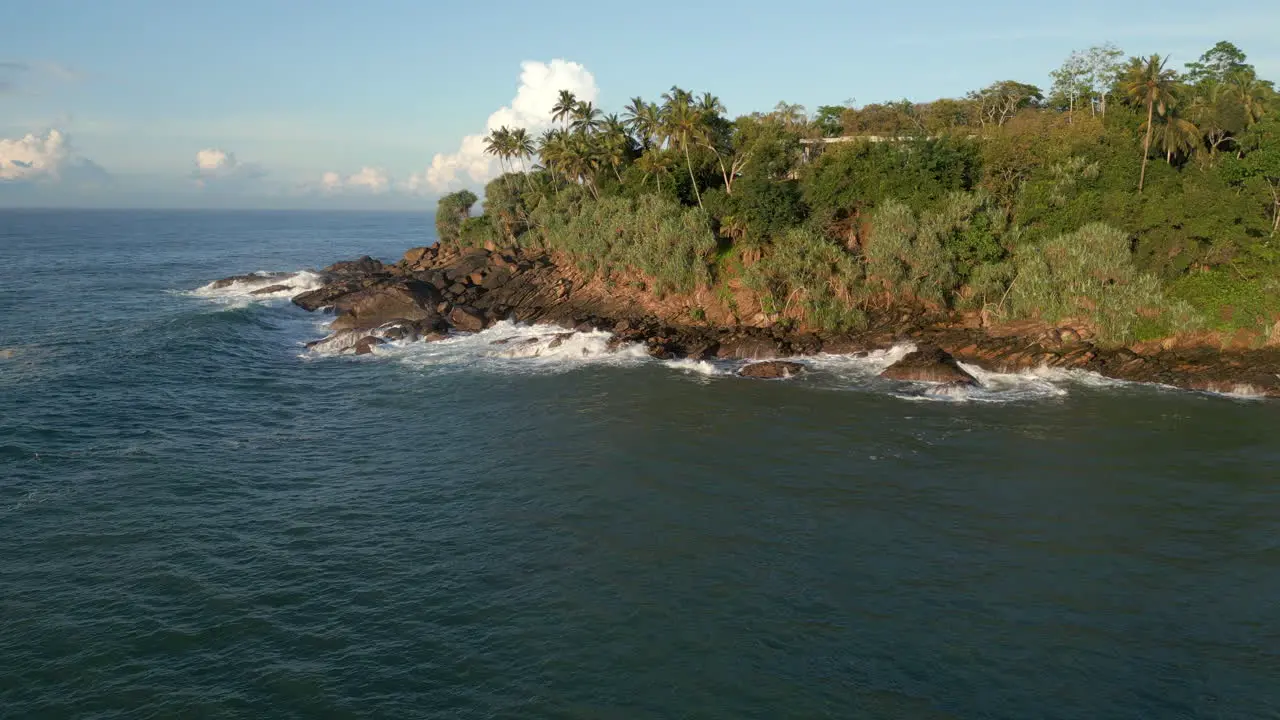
column 999, row 102
column 1216, row 65
column 1175, row 135
column 498, row 144
column 1070, row 81
column 586, row 118
column 1104, row 63
column 562, row 111
column 1148, row 82
column 682, row 122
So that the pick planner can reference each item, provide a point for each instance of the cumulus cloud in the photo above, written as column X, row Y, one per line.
column 370, row 180
column 540, row 86
column 44, row 158
column 217, row 166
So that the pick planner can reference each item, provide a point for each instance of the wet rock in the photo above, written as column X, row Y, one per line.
column 366, row 344
column 749, row 347
column 467, row 318
column 409, row 300
column 250, row 278
column 772, row 370
column 929, row 364
column 271, row 289
column 558, row 340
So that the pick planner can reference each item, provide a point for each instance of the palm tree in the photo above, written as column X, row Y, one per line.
column 1176, row 135
column 682, row 122
column 645, row 121
column 710, row 104
column 522, row 147
column 1245, row 89
column 564, row 107
column 1148, row 82
column 498, row 144
column 616, row 143
column 586, row 118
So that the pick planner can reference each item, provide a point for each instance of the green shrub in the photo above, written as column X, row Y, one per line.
column 656, row 236
column 805, row 272
column 1090, row 274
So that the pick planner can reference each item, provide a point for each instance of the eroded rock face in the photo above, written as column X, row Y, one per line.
column 929, row 364
column 772, row 370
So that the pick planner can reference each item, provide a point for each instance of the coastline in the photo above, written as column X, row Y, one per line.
column 431, row 291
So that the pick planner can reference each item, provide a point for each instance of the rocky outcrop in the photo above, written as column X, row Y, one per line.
column 929, row 364
column 408, row 300
column 772, row 370
column 431, row 290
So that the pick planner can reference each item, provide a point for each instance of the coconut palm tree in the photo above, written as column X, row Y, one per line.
column 562, row 111
column 1250, row 94
column 1148, row 82
column 586, row 118
column 645, row 122
column 1175, row 135
column 683, row 123
column 710, row 104
column 498, row 144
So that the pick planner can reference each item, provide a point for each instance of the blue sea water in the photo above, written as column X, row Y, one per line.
column 199, row 518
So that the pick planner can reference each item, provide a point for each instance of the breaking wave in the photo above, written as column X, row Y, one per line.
column 261, row 286
column 512, row 348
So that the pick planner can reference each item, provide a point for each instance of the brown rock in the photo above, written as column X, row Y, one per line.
column 929, row 364
column 772, row 370
column 367, row 309
column 749, row 347
column 467, row 318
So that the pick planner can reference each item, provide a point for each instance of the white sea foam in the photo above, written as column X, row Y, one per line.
column 247, row 290
column 511, row 348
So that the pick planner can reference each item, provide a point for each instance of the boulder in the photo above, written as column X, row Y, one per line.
column 355, row 268
column 366, row 344
column 373, row 307
column 467, row 318
column 749, row 347
column 772, row 370
column 419, row 257
column 929, row 364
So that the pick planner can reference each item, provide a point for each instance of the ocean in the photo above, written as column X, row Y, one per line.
column 201, row 518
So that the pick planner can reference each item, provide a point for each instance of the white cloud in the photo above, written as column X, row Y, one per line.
column 369, row 180
column 47, row 158
column 214, row 165
column 540, row 86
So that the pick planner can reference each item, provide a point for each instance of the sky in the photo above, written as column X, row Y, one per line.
column 383, row 104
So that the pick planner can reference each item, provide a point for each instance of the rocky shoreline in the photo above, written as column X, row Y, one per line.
column 430, row 292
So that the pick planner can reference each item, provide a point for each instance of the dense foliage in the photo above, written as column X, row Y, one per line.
column 1131, row 197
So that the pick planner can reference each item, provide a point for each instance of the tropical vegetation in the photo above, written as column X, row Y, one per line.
column 1130, row 197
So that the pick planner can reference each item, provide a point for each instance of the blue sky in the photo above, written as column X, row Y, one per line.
column 281, row 93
